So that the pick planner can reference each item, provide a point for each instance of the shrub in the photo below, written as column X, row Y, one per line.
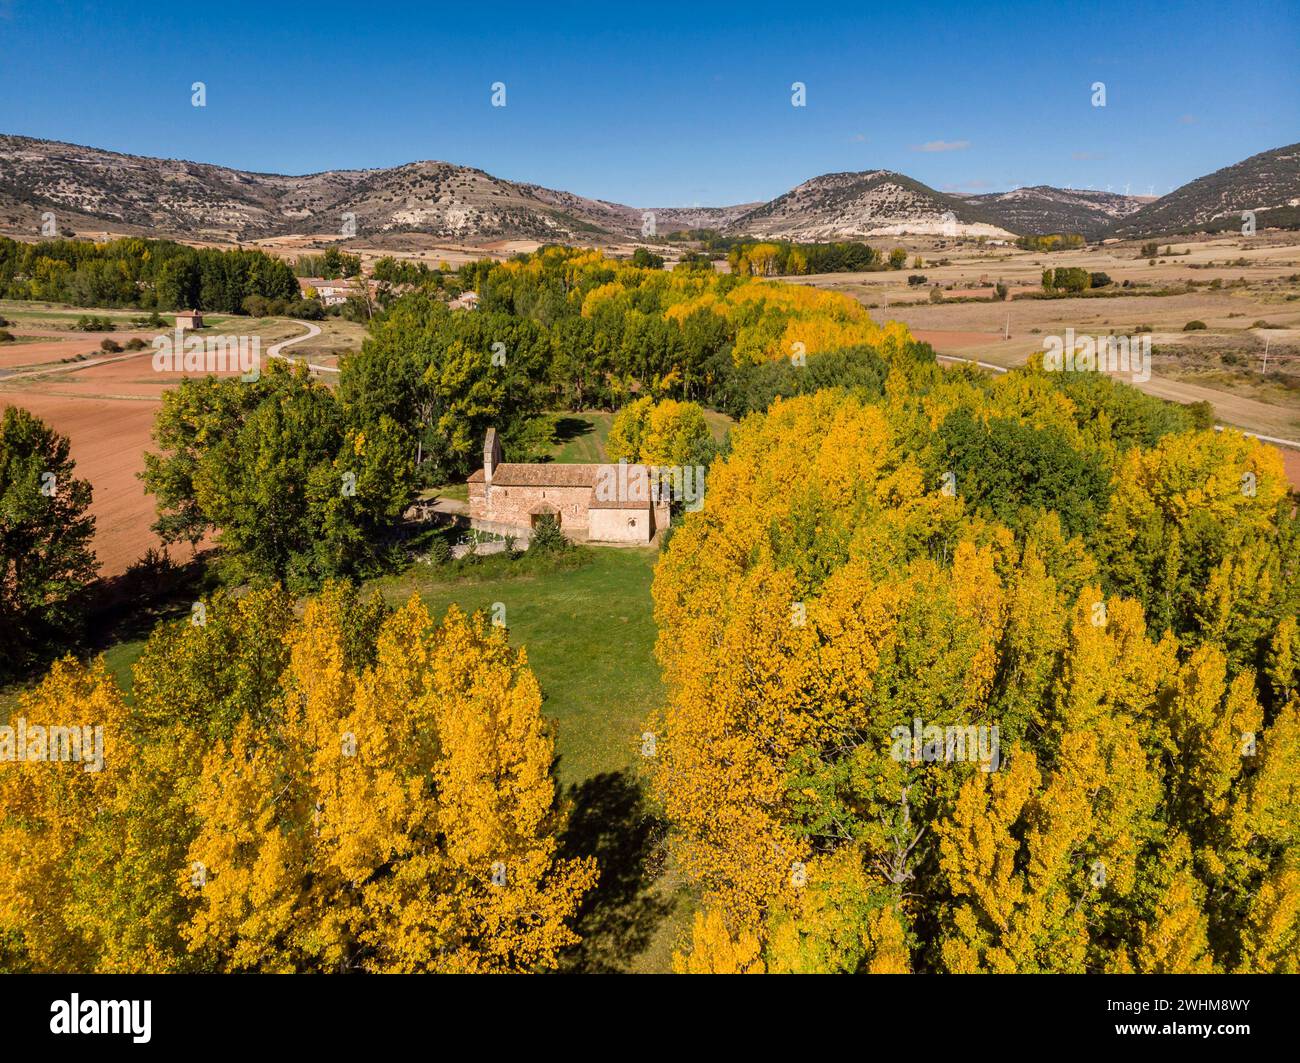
column 136, row 344
column 1194, row 326
column 439, row 551
column 936, row 296
column 646, row 259
column 1071, row 279
column 1202, row 414
column 547, row 537
column 6, row 336
column 154, row 576
column 109, row 346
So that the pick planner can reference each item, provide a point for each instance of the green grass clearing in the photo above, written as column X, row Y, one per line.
column 589, row 632
column 581, row 438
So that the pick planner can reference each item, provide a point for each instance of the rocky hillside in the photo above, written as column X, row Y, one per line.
column 1267, row 183
column 1042, row 209
column 841, row 206
column 89, row 190
column 94, row 188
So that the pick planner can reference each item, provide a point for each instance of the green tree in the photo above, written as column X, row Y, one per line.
column 45, row 532
column 643, row 258
column 294, row 493
column 1009, row 470
column 445, row 378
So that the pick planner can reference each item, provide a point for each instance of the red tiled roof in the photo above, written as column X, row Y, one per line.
column 508, row 474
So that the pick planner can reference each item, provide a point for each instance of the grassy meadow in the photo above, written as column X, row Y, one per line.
column 589, row 633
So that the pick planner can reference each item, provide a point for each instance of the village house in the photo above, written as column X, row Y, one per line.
column 592, row 503
column 188, row 319
column 465, row 301
column 330, row 293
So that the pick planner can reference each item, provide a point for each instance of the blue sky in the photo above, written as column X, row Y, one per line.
column 665, row 105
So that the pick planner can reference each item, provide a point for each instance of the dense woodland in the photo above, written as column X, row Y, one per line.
column 772, row 258
column 1113, row 588
column 147, row 274
column 1099, row 575
column 262, row 462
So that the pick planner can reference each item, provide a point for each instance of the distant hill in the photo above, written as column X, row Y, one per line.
column 1267, row 183
column 1042, row 209
column 840, row 206
column 91, row 189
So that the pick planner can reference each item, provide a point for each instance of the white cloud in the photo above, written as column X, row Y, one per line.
column 942, row 145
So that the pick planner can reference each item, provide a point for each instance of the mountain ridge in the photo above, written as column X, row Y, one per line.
column 92, row 188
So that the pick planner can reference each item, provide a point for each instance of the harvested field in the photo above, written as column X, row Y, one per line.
column 1291, row 459
column 108, row 439
column 45, row 351
column 106, row 404
column 943, row 340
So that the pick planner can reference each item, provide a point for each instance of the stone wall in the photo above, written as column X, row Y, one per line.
column 502, row 509
column 510, row 505
column 621, row 525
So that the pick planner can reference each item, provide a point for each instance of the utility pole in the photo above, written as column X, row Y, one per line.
column 1006, row 334
column 1267, row 339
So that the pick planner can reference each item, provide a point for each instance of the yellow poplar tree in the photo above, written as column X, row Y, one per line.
column 1145, row 813
column 50, row 815
column 400, row 819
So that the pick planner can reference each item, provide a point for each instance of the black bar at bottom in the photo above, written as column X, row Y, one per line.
column 602, row 1013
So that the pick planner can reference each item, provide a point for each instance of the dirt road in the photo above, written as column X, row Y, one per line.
column 312, row 331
